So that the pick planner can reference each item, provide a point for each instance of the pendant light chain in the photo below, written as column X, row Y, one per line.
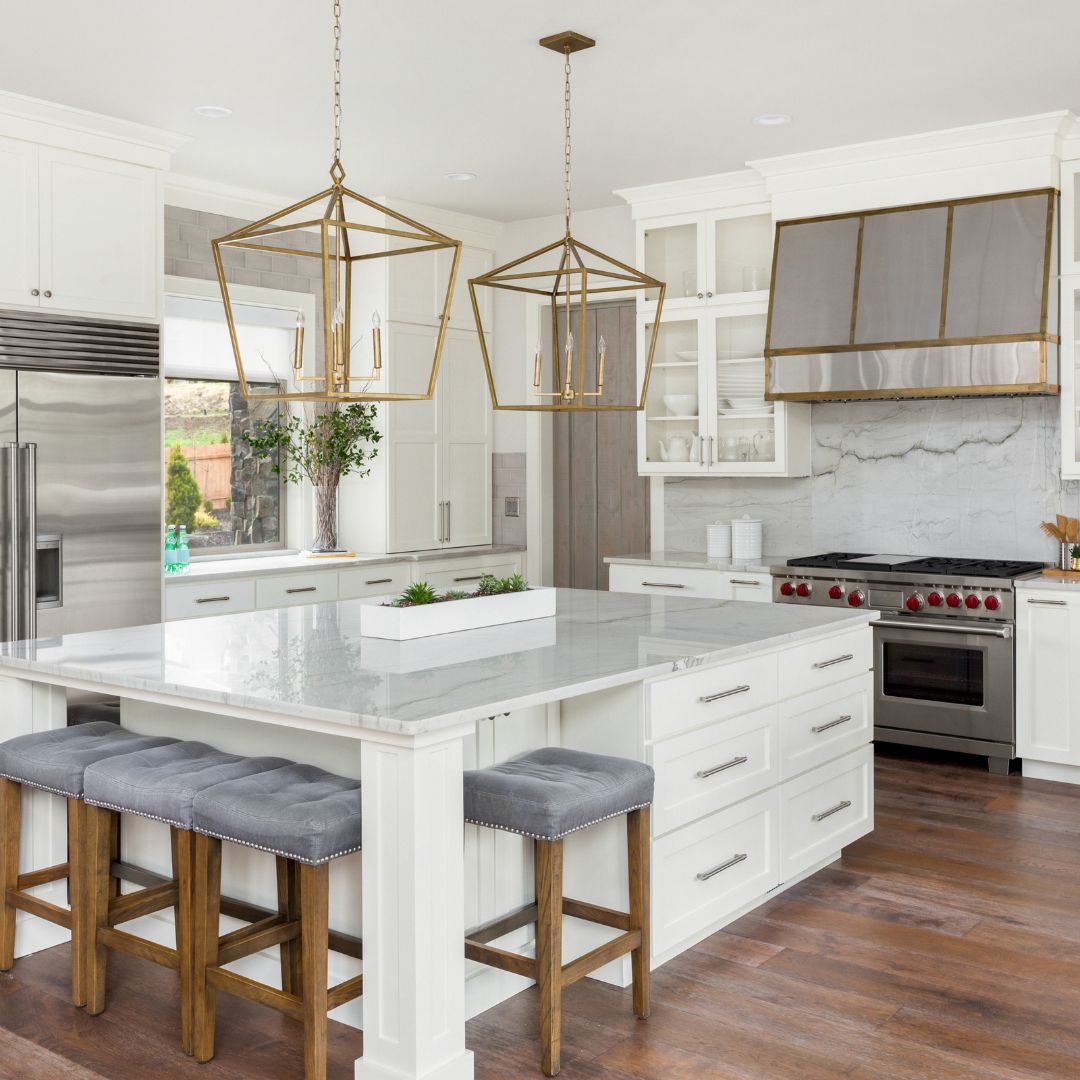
column 337, row 80
column 566, row 146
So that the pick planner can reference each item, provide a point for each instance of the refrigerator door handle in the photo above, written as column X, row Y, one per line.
column 27, row 564
column 9, row 539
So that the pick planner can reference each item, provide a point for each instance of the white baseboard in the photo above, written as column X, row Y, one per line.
column 1052, row 770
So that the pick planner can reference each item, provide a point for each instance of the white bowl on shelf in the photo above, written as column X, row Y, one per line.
column 689, row 355
column 746, row 402
column 681, row 404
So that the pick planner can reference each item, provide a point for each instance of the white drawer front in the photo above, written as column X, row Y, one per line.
column 374, row 581
column 468, row 575
column 753, row 587
column 711, row 868
column 285, row 590
column 825, row 724
column 676, row 581
column 695, row 698
column 193, row 598
column 705, row 770
column 825, row 810
column 822, row 663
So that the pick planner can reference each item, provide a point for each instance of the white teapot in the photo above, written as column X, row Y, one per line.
column 679, row 446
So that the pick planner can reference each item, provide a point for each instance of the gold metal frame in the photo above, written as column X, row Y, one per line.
column 1042, row 336
column 337, row 261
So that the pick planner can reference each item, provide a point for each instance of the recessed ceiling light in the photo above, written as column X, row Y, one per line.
column 772, row 119
column 460, row 177
column 212, row 112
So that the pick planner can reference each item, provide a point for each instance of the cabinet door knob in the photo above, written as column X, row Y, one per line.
column 701, row 296
column 47, row 294
column 35, row 292
column 709, row 295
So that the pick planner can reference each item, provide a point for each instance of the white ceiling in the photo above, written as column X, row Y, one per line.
column 433, row 87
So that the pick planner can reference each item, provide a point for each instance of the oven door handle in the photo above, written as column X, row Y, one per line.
column 945, row 628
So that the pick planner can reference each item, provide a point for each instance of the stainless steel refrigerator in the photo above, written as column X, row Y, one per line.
column 80, row 475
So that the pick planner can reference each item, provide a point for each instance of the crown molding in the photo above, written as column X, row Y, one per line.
column 741, row 188
column 64, row 126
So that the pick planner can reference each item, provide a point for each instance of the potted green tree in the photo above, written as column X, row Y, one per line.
column 329, row 442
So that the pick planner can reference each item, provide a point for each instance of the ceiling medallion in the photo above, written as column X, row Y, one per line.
column 569, row 373
column 348, row 233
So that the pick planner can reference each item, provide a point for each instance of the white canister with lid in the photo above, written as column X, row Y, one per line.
column 718, row 540
column 746, row 539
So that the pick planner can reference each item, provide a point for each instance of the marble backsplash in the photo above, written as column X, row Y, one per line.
column 954, row 477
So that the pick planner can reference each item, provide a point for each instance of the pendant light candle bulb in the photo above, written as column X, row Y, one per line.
column 600, row 358
column 567, row 390
column 376, row 343
column 298, row 347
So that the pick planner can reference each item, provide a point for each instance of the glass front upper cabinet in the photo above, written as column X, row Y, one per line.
column 1070, row 378
column 672, row 255
column 675, row 407
column 745, row 422
column 742, row 255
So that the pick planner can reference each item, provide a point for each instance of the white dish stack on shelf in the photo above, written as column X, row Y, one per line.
column 747, row 535
column 718, row 540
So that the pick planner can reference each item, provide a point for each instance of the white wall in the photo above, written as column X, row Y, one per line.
column 610, row 230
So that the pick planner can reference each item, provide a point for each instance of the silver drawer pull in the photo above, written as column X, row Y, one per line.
column 733, row 861
column 212, row 599
column 831, row 724
column 723, row 694
column 742, row 581
column 662, row 585
column 704, row 774
column 306, row 588
column 834, row 660
column 473, row 577
column 378, row 581
column 1055, row 603
column 832, row 810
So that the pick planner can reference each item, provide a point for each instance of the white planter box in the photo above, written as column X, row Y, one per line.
column 404, row 623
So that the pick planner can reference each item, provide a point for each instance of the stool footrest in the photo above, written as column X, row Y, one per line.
column 524, row 966
column 43, row 877
column 252, row 939
column 498, row 928
column 598, row 957
column 249, row 989
column 146, row 902
column 34, row 905
column 578, row 909
column 122, row 941
column 344, row 991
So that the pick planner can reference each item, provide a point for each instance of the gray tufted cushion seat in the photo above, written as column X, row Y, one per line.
column 57, row 760
column 162, row 782
column 551, row 792
column 297, row 811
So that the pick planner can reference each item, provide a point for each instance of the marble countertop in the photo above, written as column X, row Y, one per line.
column 211, row 569
column 698, row 560
column 308, row 666
column 1050, row 584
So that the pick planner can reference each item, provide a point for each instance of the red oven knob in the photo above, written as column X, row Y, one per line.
column 992, row 603
column 856, row 598
column 953, row 600
column 804, row 588
column 935, row 599
column 914, row 602
column 787, row 589
column 972, row 601
column 835, row 592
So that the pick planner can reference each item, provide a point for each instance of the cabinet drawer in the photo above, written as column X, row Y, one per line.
column 696, row 698
column 468, row 575
column 373, row 581
column 707, row 870
column 825, row 724
column 286, row 590
column 822, row 663
column 212, row 598
column 824, row 810
column 746, row 586
column 662, row 581
column 705, row 770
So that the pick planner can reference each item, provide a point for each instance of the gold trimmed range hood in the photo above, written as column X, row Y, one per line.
column 953, row 298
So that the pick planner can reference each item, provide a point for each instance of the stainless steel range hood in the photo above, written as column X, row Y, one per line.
column 942, row 299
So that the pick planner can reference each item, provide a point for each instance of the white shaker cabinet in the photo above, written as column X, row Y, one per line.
column 79, row 233
column 1048, row 680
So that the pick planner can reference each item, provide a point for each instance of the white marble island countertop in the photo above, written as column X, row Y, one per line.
column 308, row 666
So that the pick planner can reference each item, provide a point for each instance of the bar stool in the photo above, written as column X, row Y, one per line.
column 307, row 818
column 547, row 794
column 161, row 784
column 54, row 761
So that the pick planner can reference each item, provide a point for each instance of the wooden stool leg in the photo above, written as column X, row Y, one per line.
column 182, row 866
column 637, row 849
column 314, row 958
column 76, row 890
column 549, row 918
column 10, row 827
column 206, row 920
column 289, row 908
column 96, row 859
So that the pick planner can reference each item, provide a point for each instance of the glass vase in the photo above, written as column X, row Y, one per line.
column 326, row 538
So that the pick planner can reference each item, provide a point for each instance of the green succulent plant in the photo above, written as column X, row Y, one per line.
column 493, row 586
column 419, row 592
column 456, row 594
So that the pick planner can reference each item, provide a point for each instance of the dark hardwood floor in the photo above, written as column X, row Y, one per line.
column 946, row 944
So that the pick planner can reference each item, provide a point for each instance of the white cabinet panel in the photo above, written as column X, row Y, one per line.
column 667, row 581
column 289, row 590
column 825, row 724
column 465, row 573
column 99, row 235
column 192, row 598
column 414, row 295
column 474, row 262
column 753, row 587
column 382, row 580
column 1048, row 676
column 18, row 222
column 822, row 663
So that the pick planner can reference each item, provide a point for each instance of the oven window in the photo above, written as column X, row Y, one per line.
column 933, row 673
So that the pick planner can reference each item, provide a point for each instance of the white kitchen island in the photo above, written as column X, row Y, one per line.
column 756, row 718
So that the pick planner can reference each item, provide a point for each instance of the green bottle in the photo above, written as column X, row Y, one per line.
column 183, row 552
column 170, row 550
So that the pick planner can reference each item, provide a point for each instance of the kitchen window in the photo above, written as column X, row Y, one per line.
column 229, row 501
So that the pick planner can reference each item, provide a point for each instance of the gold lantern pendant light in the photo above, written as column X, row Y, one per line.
column 569, row 273
column 348, row 236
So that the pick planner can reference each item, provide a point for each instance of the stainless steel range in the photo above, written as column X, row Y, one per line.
column 944, row 666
